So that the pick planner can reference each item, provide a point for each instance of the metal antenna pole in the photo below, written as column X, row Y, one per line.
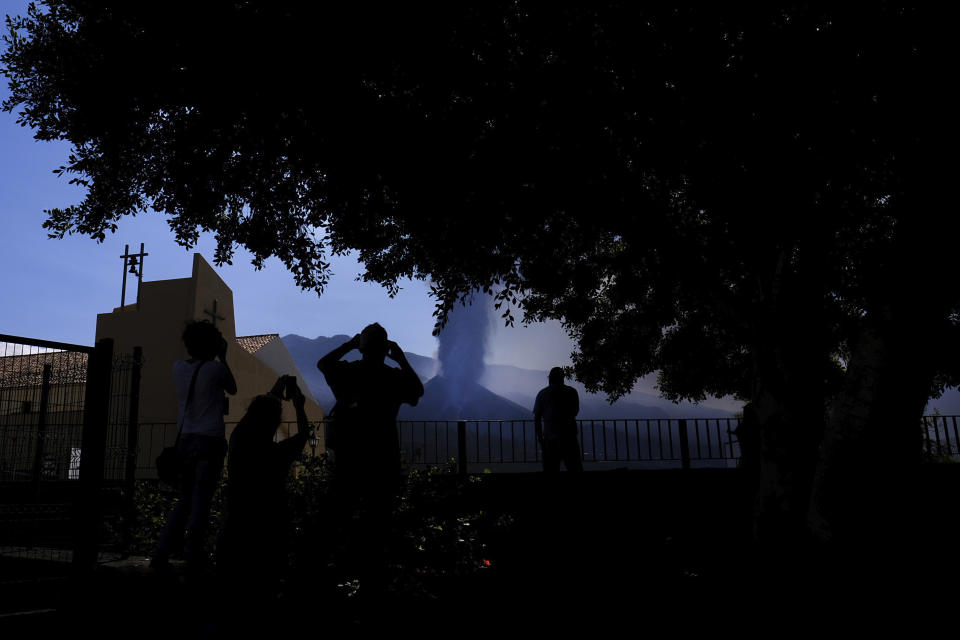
column 140, row 275
column 123, row 292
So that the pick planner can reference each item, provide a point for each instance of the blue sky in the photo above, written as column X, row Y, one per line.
column 53, row 288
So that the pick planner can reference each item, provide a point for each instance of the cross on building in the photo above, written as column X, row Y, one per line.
column 213, row 314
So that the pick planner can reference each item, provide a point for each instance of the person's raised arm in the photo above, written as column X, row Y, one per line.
column 292, row 446
column 538, row 417
column 303, row 425
column 328, row 360
column 395, row 353
column 277, row 390
column 229, row 382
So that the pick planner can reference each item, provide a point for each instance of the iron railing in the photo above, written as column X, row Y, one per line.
column 68, row 431
column 154, row 436
column 477, row 446
column 42, row 386
column 57, row 425
column 494, row 445
column 941, row 437
column 512, row 445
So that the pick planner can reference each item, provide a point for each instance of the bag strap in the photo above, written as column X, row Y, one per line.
column 186, row 405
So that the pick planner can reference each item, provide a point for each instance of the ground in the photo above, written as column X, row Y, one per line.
column 617, row 551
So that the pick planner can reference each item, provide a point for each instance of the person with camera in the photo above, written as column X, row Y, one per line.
column 364, row 420
column 200, row 383
column 363, row 435
column 252, row 546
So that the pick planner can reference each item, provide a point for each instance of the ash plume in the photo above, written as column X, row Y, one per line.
column 462, row 346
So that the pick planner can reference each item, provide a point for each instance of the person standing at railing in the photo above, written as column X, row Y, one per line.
column 555, row 419
column 200, row 383
column 363, row 434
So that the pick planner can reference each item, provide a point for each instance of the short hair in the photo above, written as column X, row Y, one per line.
column 201, row 338
column 373, row 334
column 264, row 411
column 556, row 374
column 263, row 416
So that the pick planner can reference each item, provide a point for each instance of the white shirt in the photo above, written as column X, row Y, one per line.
column 204, row 416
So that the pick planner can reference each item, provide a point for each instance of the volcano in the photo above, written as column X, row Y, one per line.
column 442, row 401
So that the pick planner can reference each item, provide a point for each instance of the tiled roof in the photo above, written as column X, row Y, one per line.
column 66, row 367
column 70, row 367
column 252, row 344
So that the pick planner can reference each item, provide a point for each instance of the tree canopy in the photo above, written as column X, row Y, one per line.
column 741, row 199
column 678, row 185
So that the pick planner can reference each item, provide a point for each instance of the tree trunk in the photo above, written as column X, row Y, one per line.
column 788, row 411
column 789, row 396
column 861, row 502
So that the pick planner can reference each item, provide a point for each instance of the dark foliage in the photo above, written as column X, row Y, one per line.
column 437, row 537
column 679, row 185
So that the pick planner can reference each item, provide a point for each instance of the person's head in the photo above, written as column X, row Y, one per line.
column 373, row 342
column 201, row 339
column 556, row 376
column 264, row 415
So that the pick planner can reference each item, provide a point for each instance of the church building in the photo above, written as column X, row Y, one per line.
column 43, row 390
column 155, row 323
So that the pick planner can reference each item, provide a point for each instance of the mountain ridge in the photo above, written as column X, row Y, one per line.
column 513, row 386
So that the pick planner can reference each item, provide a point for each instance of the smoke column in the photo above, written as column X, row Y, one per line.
column 463, row 343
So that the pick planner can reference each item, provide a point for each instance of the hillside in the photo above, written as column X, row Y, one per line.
column 479, row 404
column 508, row 386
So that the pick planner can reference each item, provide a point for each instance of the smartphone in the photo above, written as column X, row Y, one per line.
column 289, row 387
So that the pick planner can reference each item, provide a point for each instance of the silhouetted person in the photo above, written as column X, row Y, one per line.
column 200, row 383
column 364, row 431
column 554, row 413
column 252, row 548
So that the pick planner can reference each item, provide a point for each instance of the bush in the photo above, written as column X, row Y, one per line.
column 153, row 502
column 435, row 536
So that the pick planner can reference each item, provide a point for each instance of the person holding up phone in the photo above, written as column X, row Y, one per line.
column 252, row 548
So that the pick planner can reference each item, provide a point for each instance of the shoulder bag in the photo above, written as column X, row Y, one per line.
column 168, row 462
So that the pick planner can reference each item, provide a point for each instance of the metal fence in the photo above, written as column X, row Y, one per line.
column 154, row 436
column 42, row 387
column 41, row 412
column 476, row 446
column 637, row 443
column 65, row 427
column 511, row 445
column 940, row 436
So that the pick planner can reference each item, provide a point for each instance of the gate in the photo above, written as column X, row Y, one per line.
column 67, row 450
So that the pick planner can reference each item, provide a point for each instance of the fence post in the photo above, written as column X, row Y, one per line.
column 41, row 427
column 133, row 423
column 133, row 448
column 92, row 453
column 684, row 445
column 462, row 447
column 946, row 435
